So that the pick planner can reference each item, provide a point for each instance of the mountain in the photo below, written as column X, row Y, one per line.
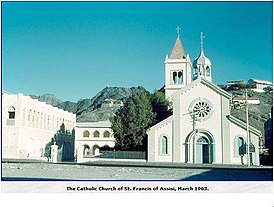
column 95, row 109
column 100, row 114
column 90, row 109
column 68, row 106
column 257, row 114
column 48, row 98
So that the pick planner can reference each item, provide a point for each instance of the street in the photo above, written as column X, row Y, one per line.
column 50, row 171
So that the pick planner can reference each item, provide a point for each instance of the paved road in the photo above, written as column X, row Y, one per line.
column 14, row 170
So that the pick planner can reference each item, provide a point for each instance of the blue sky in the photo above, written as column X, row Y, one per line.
column 75, row 49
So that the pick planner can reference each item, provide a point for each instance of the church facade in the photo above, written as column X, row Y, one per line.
column 201, row 129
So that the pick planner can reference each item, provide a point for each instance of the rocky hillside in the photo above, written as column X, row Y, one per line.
column 258, row 114
column 90, row 109
column 87, row 106
column 48, row 98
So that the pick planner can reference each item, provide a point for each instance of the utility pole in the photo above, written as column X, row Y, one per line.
column 193, row 119
column 247, row 129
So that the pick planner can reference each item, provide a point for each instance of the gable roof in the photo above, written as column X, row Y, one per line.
column 178, row 50
column 242, row 124
column 205, row 82
column 162, row 123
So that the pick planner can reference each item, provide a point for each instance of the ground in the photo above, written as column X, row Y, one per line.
column 91, row 171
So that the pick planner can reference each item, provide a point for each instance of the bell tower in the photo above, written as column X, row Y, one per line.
column 202, row 65
column 177, row 68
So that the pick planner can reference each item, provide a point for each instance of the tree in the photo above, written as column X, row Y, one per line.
column 64, row 138
column 131, row 122
column 47, row 151
column 268, row 89
column 161, row 106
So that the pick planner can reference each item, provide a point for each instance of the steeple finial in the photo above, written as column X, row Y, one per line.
column 202, row 41
column 178, row 30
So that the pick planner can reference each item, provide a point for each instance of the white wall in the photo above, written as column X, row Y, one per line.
column 31, row 131
column 92, row 141
column 184, row 122
column 155, row 134
column 236, row 131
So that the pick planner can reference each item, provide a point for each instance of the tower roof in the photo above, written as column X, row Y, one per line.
column 202, row 59
column 178, row 50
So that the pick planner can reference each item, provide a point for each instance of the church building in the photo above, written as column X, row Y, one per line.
column 201, row 128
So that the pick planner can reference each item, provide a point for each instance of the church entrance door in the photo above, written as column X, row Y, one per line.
column 202, row 150
column 205, row 153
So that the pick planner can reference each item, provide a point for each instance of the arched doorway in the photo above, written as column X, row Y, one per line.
column 96, row 150
column 202, row 150
column 86, row 150
column 67, row 151
column 199, row 147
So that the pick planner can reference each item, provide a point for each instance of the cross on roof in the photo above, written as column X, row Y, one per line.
column 202, row 41
column 178, row 30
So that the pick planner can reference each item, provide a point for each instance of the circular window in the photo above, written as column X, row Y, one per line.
column 201, row 109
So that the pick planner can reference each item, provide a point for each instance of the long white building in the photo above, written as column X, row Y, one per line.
column 28, row 125
column 260, row 84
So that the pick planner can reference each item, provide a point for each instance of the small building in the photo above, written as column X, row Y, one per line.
column 28, row 125
column 259, row 85
column 112, row 103
column 240, row 100
column 93, row 136
column 235, row 82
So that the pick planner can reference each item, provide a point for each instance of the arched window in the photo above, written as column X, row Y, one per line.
column 96, row 134
column 33, row 116
column 164, row 145
column 48, row 123
column 86, row 133
column 11, row 112
column 195, row 73
column 52, row 123
column 41, row 121
column 57, row 123
column 106, row 134
column 180, row 77
column 29, row 116
column 208, row 72
column 201, row 110
column 175, row 78
column 33, row 119
column 240, row 146
column 38, row 119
